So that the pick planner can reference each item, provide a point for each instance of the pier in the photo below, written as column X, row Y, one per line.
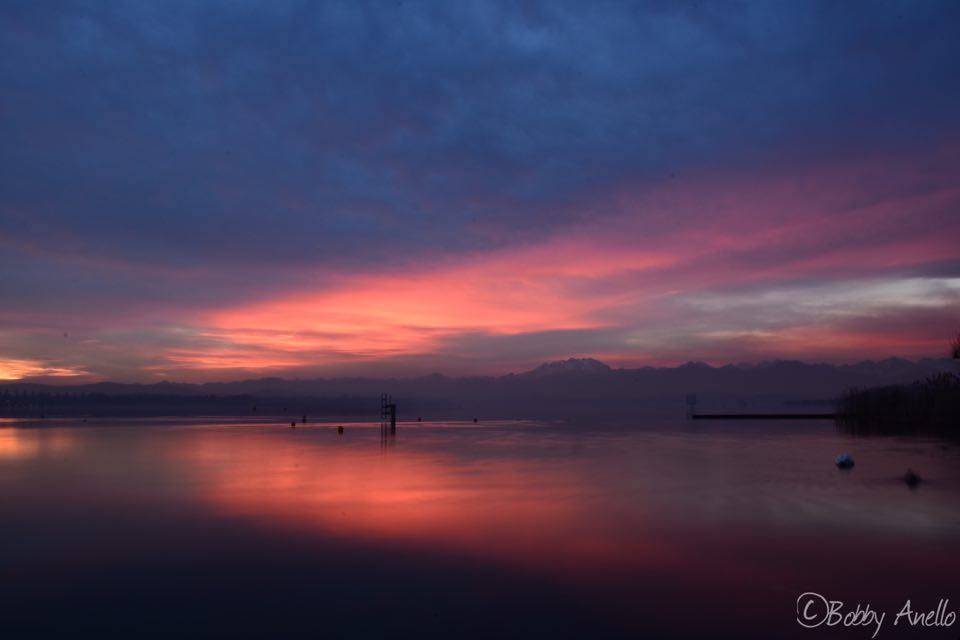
column 764, row 416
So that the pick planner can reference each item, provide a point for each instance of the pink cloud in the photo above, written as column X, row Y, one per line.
column 641, row 275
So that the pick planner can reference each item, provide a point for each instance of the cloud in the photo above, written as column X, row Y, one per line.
column 320, row 185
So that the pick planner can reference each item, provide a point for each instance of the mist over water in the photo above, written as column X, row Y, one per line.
column 218, row 528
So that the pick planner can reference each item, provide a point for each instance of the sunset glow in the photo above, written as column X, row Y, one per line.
column 479, row 319
column 811, row 215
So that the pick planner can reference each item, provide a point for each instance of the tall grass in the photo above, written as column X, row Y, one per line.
column 928, row 406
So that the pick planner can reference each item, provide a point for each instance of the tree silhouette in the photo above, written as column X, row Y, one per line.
column 955, row 348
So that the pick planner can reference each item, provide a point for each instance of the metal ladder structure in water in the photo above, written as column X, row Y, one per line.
column 388, row 415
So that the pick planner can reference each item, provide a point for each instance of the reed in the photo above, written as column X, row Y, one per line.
column 930, row 406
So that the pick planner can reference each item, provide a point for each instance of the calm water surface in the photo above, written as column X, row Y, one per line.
column 225, row 529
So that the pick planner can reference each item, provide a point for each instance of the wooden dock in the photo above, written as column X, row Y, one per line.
column 764, row 416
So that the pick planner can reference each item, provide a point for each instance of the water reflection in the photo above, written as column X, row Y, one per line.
column 18, row 443
column 546, row 499
column 520, row 511
column 621, row 529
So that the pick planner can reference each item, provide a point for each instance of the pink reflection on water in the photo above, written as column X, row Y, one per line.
column 680, row 528
column 24, row 444
column 652, row 522
column 518, row 511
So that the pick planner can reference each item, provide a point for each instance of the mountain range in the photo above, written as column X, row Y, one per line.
column 562, row 388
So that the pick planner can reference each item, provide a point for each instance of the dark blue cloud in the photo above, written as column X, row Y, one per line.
column 227, row 148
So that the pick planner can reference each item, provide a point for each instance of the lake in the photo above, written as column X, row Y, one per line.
column 651, row 528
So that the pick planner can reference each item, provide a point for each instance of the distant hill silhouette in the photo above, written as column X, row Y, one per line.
column 555, row 389
column 571, row 366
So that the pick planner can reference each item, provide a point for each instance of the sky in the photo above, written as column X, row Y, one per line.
column 211, row 191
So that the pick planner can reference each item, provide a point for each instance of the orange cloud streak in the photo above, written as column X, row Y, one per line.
column 638, row 270
column 506, row 292
column 11, row 369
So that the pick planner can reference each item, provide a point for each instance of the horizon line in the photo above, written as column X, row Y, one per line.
column 73, row 381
